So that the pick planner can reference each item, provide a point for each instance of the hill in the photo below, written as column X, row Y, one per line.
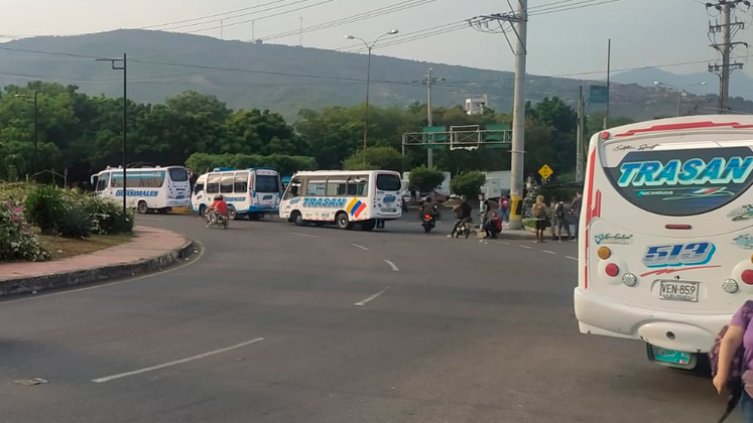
column 284, row 78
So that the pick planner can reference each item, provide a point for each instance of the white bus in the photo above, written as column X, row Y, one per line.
column 366, row 197
column 249, row 192
column 666, row 245
column 147, row 188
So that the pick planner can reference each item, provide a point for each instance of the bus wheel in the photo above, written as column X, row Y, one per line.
column 368, row 225
column 142, row 208
column 342, row 221
column 297, row 218
column 231, row 212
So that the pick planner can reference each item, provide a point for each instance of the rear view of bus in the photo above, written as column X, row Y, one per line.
column 666, row 233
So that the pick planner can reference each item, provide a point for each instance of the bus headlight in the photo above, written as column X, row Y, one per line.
column 730, row 286
column 629, row 279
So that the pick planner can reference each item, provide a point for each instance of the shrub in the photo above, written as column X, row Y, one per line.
column 425, row 179
column 74, row 221
column 384, row 158
column 17, row 242
column 107, row 217
column 44, row 207
column 468, row 183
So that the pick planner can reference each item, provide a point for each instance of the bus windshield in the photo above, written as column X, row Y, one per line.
column 178, row 174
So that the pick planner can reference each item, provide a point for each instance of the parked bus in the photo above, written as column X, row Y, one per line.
column 666, row 249
column 249, row 192
column 147, row 188
column 367, row 197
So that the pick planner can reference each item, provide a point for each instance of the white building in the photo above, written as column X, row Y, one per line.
column 475, row 106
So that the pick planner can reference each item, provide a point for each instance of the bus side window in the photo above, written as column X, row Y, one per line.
column 241, row 182
column 213, row 184
column 226, row 186
column 358, row 185
column 316, row 188
column 336, row 187
column 198, row 188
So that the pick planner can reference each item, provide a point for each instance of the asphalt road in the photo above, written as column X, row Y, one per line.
column 276, row 323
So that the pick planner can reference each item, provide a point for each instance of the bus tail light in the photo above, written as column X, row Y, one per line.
column 730, row 286
column 604, row 253
column 747, row 277
column 612, row 270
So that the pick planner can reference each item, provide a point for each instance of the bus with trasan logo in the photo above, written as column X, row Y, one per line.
column 147, row 189
column 666, row 233
column 364, row 198
column 250, row 193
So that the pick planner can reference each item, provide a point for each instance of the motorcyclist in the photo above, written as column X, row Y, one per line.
column 429, row 208
column 217, row 208
column 462, row 214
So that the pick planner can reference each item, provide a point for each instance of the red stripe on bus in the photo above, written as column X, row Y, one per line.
column 681, row 126
column 589, row 193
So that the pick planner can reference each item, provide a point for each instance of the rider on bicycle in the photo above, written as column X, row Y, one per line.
column 218, row 208
column 462, row 214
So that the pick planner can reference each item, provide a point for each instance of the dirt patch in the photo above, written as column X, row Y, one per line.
column 61, row 248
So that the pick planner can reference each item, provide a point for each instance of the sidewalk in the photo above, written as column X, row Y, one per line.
column 150, row 249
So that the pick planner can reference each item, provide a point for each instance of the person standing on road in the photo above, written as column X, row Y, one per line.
column 575, row 208
column 504, row 208
column 540, row 213
column 739, row 334
column 483, row 211
column 562, row 221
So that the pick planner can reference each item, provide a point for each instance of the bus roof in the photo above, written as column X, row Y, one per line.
column 343, row 172
column 713, row 123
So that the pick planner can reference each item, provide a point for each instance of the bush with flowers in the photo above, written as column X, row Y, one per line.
column 17, row 241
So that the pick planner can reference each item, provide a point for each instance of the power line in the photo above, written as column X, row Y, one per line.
column 588, row 3
column 211, row 16
column 359, row 46
column 395, row 7
column 191, row 25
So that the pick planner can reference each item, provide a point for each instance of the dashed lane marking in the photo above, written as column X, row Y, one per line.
column 304, row 235
column 571, row 258
column 549, row 252
column 526, row 247
column 392, row 265
column 360, row 246
column 371, row 298
column 176, row 362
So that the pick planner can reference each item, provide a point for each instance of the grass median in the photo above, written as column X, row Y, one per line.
column 61, row 248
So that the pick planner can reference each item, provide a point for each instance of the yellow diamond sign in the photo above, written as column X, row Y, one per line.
column 546, row 171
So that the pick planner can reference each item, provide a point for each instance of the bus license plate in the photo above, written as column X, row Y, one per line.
column 679, row 291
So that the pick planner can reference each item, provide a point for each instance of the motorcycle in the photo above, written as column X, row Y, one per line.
column 464, row 229
column 214, row 219
column 429, row 219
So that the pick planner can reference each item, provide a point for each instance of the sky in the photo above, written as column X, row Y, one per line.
column 569, row 43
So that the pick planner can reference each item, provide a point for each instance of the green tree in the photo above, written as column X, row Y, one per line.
column 425, row 179
column 386, row 158
column 468, row 183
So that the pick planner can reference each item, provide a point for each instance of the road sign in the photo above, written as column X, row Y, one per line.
column 545, row 171
column 598, row 94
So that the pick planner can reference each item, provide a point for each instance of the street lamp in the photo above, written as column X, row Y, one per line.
column 369, row 47
column 680, row 92
column 36, row 125
column 118, row 65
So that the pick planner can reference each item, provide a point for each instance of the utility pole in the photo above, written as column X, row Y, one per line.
column 727, row 29
column 429, row 118
column 579, row 165
column 495, row 23
column 300, row 31
column 609, row 66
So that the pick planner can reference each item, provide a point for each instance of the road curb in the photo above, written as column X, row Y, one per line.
column 97, row 274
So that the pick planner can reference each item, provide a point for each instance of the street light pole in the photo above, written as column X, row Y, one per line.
column 36, row 127
column 124, row 67
column 369, row 47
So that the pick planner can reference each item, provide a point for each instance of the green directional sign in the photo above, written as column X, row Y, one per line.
column 501, row 133
column 598, row 94
column 434, row 134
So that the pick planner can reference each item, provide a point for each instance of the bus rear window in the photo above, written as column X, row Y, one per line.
column 683, row 182
column 267, row 183
column 178, row 174
column 388, row 182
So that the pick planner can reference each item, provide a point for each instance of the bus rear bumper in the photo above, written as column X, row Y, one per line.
column 600, row 315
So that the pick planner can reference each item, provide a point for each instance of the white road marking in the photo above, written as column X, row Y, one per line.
column 176, row 362
column 304, row 235
column 571, row 258
column 360, row 246
column 371, row 298
column 392, row 265
column 503, row 243
column 526, row 247
column 548, row 252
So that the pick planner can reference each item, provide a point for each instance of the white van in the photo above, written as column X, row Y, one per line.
column 249, row 193
column 343, row 197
